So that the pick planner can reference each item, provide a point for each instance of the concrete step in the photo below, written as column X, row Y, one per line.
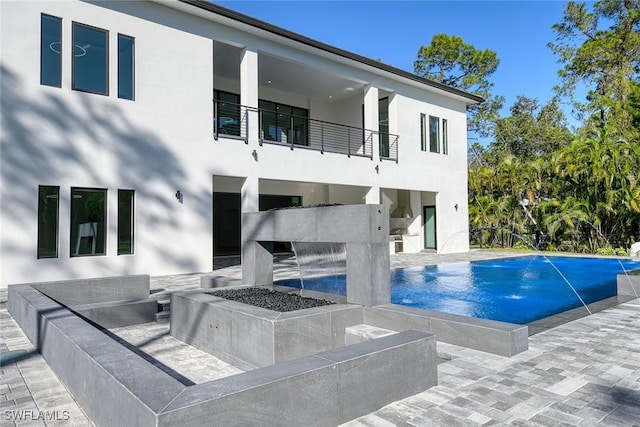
column 363, row 332
column 163, row 316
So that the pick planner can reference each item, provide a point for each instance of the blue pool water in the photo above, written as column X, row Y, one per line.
column 516, row 290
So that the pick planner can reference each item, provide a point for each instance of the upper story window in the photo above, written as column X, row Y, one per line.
column 227, row 113
column 445, row 137
column 437, row 136
column 283, row 123
column 434, row 134
column 90, row 59
column 126, row 67
column 423, row 132
column 50, row 51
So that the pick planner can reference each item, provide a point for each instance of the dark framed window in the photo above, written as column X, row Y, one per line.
column 90, row 59
column 283, row 123
column 445, row 137
column 434, row 134
column 48, row 208
column 125, row 221
column 423, row 132
column 126, row 67
column 227, row 113
column 88, row 221
column 50, row 51
column 383, row 126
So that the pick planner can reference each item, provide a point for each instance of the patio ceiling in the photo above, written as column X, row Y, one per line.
column 287, row 76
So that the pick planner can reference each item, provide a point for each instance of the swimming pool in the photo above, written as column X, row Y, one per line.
column 515, row 290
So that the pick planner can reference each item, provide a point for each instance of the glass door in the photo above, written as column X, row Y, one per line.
column 429, row 220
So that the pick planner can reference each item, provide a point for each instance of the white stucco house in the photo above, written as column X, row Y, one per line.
column 135, row 133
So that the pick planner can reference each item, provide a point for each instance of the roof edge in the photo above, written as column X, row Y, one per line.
column 248, row 20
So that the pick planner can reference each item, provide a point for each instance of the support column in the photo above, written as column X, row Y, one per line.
column 256, row 256
column 249, row 91
column 371, row 117
column 373, row 196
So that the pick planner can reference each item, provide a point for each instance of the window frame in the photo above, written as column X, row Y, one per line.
column 132, row 70
column 74, row 25
column 131, row 221
column 282, row 127
column 57, row 221
column 73, row 244
column 445, row 137
column 423, row 132
column 434, row 148
column 58, row 84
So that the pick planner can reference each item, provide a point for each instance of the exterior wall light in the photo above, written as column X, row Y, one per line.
column 179, row 196
column 456, row 207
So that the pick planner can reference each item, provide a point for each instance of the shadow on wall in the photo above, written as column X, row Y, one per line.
column 45, row 138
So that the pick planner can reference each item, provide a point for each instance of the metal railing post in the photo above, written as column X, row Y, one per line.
column 291, row 130
column 215, row 120
column 260, row 136
column 246, row 125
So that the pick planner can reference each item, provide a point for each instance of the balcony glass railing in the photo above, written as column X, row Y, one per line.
column 231, row 121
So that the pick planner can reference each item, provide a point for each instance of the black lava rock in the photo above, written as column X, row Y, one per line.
column 271, row 300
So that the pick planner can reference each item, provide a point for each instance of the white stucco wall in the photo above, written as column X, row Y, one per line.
column 162, row 142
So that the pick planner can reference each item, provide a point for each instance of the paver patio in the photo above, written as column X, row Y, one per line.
column 583, row 373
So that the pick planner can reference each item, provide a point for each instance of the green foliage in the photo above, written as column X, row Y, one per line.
column 566, row 192
column 605, row 59
column 449, row 60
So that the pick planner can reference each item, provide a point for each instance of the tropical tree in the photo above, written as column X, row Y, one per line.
column 449, row 60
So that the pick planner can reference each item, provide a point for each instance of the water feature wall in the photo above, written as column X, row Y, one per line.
column 363, row 229
column 320, row 259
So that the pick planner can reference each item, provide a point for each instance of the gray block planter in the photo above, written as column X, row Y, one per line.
column 117, row 387
column 249, row 337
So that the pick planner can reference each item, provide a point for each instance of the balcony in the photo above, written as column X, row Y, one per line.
column 297, row 132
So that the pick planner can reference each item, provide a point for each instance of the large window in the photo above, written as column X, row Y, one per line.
column 227, row 113
column 88, row 221
column 90, row 59
column 126, row 67
column 48, row 203
column 125, row 222
column 434, row 134
column 283, row 123
column 50, row 51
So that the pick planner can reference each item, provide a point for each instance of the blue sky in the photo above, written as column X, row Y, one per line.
column 393, row 31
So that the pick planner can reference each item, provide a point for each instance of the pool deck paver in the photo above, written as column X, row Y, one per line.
column 583, row 373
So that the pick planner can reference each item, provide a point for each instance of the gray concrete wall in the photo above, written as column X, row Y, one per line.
column 629, row 284
column 96, row 290
column 504, row 339
column 113, row 385
column 364, row 229
column 325, row 389
column 116, row 387
column 110, row 302
column 249, row 337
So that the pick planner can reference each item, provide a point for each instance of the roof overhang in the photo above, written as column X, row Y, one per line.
column 226, row 16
